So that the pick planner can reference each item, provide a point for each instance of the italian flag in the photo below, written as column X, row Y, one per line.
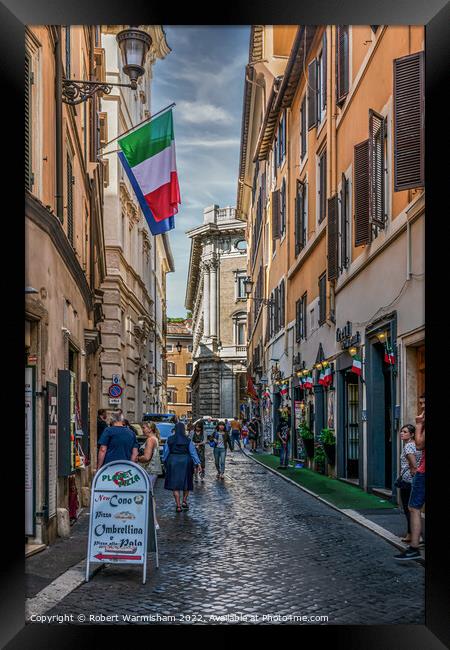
column 284, row 390
column 389, row 356
column 148, row 156
column 321, row 381
column 357, row 365
column 328, row 377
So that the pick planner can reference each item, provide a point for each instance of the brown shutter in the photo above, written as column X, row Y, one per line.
column 69, row 199
column 376, row 168
column 312, row 94
column 325, row 68
column 344, row 224
column 342, row 63
column 409, row 90
column 361, row 183
column 332, row 232
column 276, row 214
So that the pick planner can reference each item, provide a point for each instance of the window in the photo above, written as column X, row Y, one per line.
column 312, row 94
column 240, row 281
column 322, row 299
column 377, row 173
column 344, row 222
column 322, row 186
column 303, row 130
column 300, row 217
column 189, row 368
column 171, row 395
column 255, row 179
column 322, row 80
column 69, row 183
column 332, row 237
column 188, row 396
column 169, row 347
column 281, row 305
column 283, row 208
column 190, row 348
column 409, row 93
column 171, row 368
column 342, row 63
column 241, row 334
column 274, row 159
column 29, row 177
column 300, row 318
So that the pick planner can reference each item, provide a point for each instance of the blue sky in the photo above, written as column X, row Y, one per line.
column 204, row 75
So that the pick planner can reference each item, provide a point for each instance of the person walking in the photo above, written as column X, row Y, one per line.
column 417, row 497
column 117, row 442
column 284, row 435
column 221, row 438
column 235, row 433
column 409, row 460
column 101, row 422
column 252, row 434
column 151, row 458
column 179, row 457
column 198, row 438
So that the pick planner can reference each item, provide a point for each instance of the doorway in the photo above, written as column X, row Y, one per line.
column 351, row 425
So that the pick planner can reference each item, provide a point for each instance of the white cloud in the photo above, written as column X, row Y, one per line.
column 215, row 142
column 200, row 113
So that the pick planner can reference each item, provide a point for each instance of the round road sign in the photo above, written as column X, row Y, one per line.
column 115, row 390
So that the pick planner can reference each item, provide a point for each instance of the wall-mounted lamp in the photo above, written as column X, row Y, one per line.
column 352, row 351
column 134, row 45
column 179, row 347
column 382, row 336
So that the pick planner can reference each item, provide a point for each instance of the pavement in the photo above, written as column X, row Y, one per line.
column 253, row 548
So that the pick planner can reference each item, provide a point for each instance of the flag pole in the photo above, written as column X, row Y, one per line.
column 136, row 126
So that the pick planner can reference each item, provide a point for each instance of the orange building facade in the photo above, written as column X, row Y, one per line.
column 179, row 366
column 331, row 186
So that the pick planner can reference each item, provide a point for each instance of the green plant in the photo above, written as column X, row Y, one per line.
column 327, row 437
column 319, row 455
column 305, row 432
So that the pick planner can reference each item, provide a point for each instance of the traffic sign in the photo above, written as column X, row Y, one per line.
column 115, row 390
column 116, row 379
column 115, row 400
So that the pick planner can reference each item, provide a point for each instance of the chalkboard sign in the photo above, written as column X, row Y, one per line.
column 122, row 516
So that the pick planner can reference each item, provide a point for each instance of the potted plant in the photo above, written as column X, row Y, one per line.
column 308, row 439
column 328, row 441
column 319, row 459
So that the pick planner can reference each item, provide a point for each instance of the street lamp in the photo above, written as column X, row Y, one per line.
column 248, row 286
column 134, row 45
column 179, row 347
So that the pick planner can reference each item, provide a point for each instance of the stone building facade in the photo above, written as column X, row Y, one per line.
column 179, row 367
column 215, row 295
column 64, row 267
column 133, row 330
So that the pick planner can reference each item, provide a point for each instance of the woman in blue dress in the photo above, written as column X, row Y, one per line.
column 179, row 457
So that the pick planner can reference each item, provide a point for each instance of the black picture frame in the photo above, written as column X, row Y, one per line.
column 435, row 15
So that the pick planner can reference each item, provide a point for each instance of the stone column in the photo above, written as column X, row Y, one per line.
column 213, row 298
column 206, row 300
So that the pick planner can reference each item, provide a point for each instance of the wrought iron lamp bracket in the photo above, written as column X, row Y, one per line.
column 76, row 91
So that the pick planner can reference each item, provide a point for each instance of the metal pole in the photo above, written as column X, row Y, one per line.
column 140, row 123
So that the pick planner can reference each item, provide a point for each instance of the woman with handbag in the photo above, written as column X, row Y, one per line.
column 409, row 461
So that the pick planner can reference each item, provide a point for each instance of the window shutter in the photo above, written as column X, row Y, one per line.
column 312, row 94
column 344, row 223
column 28, row 124
column 322, row 186
column 376, row 168
column 282, row 304
column 297, row 320
column 69, row 200
column 342, row 63
column 296, row 225
column 299, row 217
column 332, row 232
column 324, row 68
column 409, row 91
column 303, row 129
column 322, row 298
column 276, row 214
column 361, row 182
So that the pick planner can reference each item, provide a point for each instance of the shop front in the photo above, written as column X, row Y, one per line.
column 349, row 438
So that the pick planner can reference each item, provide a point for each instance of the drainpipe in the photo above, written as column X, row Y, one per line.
column 58, row 126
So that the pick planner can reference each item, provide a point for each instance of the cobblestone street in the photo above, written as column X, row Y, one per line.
column 256, row 545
